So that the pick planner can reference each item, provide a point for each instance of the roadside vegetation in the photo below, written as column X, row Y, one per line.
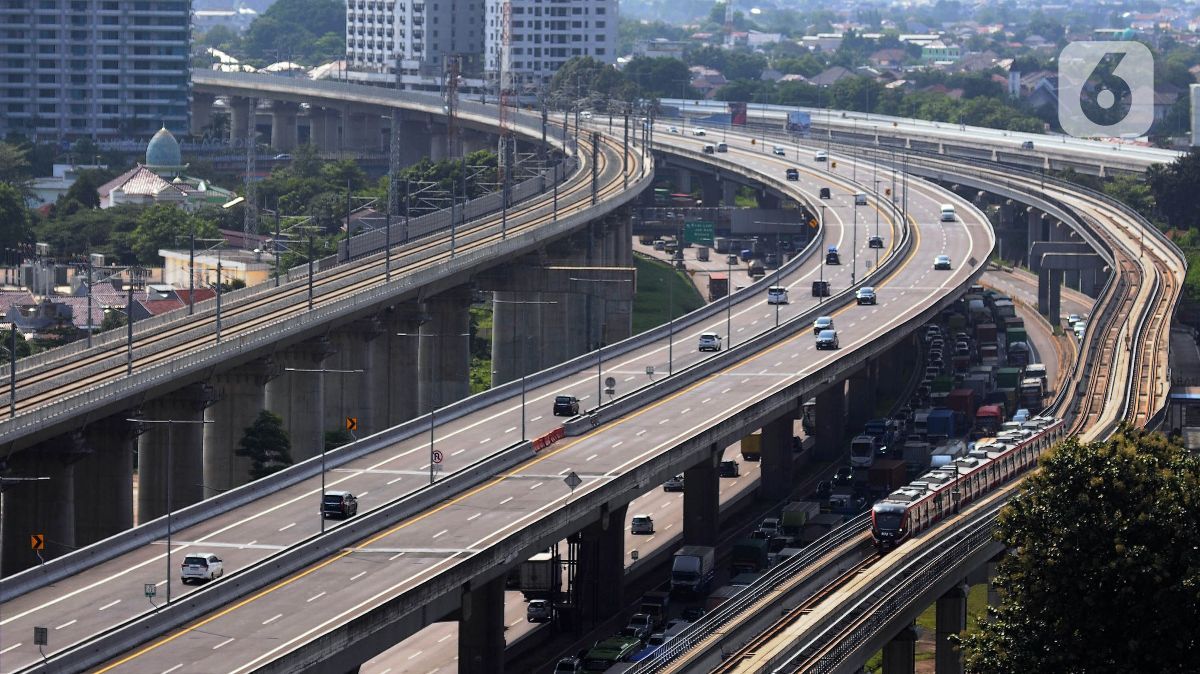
column 652, row 304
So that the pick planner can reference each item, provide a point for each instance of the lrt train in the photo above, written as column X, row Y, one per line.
column 912, row 509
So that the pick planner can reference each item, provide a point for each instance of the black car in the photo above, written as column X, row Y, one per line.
column 692, row 614
column 339, row 504
column 566, row 406
column 843, row 476
column 824, row 489
column 875, row 242
column 728, row 469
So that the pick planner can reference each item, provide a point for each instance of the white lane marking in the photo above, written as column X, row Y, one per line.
column 67, row 624
column 363, row 494
column 360, row 574
column 472, row 517
column 415, row 655
column 110, row 604
column 727, row 390
column 443, row 531
column 273, row 618
column 165, row 671
column 686, row 411
column 591, row 457
column 536, row 418
column 745, row 380
column 444, row 638
column 288, row 527
column 506, row 500
column 160, row 583
column 322, row 593
column 663, row 506
column 223, row 643
column 536, row 485
column 663, row 422
column 585, row 397
column 564, row 470
column 618, row 443
column 256, row 540
column 668, row 527
column 794, row 355
column 742, row 329
column 640, row 433
column 509, row 430
column 778, row 364
column 482, row 442
column 650, row 539
column 458, row 452
column 630, row 377
column 390, row 559
column 395, row 480
column 2, row 652
column 705, row 401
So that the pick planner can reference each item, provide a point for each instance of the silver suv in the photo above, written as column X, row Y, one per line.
column 710, row 341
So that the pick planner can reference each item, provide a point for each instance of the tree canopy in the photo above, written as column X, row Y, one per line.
column 14, row 219
column 1105, row 570
column 166, row 226
column 1174, row 186
column 307, row 31
column 266, row 444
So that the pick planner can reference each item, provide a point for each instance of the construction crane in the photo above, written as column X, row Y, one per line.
column 505, row 149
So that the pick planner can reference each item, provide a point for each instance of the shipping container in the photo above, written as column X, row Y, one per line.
column 962, row 400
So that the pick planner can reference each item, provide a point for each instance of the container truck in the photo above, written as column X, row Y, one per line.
column 1018, row 354
column 916, row 456
column 808, row 417
column 1038, row 370
column 942, row 424
column 1008, row 377
column 718, row 286
column 819, row 526
column 985, row 333
column 988, row 419
column 887, row 474
column 977, row 311
column 541, row 576
column 921, row 423
column 720, row 596
column 752, row 447
column 978, row 383
column 750, row 555
column 862, row 451
column 1013, row 322
column 655, row 604
column 989, row 354
column 692, row 569
column 756, row 269
column 877, row 428
column 1014, row 335
column 942, row 384
column 796, row 514
column 702, row 253
column 1004, row 308
column 1032, row 393
column 962, row 400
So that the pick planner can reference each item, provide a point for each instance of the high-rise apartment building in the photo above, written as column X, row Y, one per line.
column 419, row 34
column 547, row 33
column 94, row 68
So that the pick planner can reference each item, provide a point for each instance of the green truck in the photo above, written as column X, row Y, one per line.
column 942, row 384
column 609, row 652
column 1008, row 377
column 750, row 555
column 1014, row 335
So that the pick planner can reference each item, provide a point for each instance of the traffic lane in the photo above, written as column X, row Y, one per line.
column 666, row 508
column 1022, row 285
column 493, row 504
column 242, row 539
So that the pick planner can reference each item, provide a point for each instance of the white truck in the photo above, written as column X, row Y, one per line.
column 541, row 576
column 692, row 569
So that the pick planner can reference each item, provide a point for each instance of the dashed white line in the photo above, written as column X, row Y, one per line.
column 415, row 655
column 745, row 380
column 289, row 526
column 794, row 355
column 160, row 583
column 390, row 559
column 564, row 470
column 686, row 411
column 223, row 643
column 705, row 401
column 618, row 443
column 506, row 500
column 726, row 390
column 663, row 506
column 110, row 604
column 473, row 516
column 363, row 494
column 395, row 480
column 668, row 527
column 443, row 531
column 2, row 652
column 165, row 671
column 322, row 593
column 537, row 418
column 777, row 364
column 640, row 433
column 482, row 442
column 509, row 430
column 536, row 485
column 459, row 452
column 444, row 638
column 628, row 378
column 360, row 574
column 272, row 619
column 663, row 422
column 591, row 457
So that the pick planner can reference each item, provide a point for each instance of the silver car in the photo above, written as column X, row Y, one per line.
column 942, row 262
column 710, row 341
column 641, row 524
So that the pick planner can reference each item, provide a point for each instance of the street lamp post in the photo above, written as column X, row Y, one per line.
column 524, row 366
column 170, row 474
column 854, row 246
column 600, row 341
column 323, row 371
column 821, row 251
column 432, row 409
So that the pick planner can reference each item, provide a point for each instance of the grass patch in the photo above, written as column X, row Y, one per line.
column 651, row 304
column 481, row 347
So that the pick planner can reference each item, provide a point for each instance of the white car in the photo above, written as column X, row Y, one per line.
column 942, row 262
column 641, row 524
column 201, row 566
column 821, row 156
column 1073, row 319
column 778, row 150
column 710, row 341
column 673, row 129
column 699, row 132
column 777, row 295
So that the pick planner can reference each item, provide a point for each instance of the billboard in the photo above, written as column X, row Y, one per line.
column 737, row 113
column 799, row 123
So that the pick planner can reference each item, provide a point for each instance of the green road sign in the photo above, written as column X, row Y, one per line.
column 699, row 231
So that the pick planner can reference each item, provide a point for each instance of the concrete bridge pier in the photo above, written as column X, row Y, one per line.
column 481, row 629
column 860, row 394
column 444, row 360
column 324, row 129
column 299, row 397
column 711, row 191
column 398, row 401
column 702, row 501
column 438, row 142
column 104, row 499
column 778, row 468
column 516, row 321
column 187, row 452
column 729, row 190
column 900, row 654
column 202, row 108
column 683, row 181
column 241, row 116
column 1036, row 226
column 951, row 620
column 414, row 138
column 45, row 507
column 364, row 130
column 600, row 580
column 830, row 422
column 283, row 125
column 239, row 398
column 349, row 394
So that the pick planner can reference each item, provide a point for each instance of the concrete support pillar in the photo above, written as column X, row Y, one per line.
column 324, row 130
column 601, row 571
column 187, row 448
column 104, row 498
column 240, row 397
column 202, row 107
column 45, row 507
column 299, row 397
column 1035, row 231
column 481, row 629
column 860, row 397
column 777, row 465
column 414, row 136
column 683, row 180
column 729, row 190
column 364, row 130
column 349, row 394
column 515, row 327
column 830, row 422
column 711, row 192
column 240, row 119
column 437, row 143
column 402, row 325
column 900, row 654
column 444, row 360
column 951, row 619
column 702, row 501
column 283, row 125
column 767, row 200
column 1050, row 294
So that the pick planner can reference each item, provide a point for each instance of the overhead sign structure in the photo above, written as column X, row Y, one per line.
column 699, row 231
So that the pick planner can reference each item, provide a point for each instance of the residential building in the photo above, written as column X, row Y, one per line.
column 939, row 52
column 659, row 48
column 415, row 36
column 544, row 34
column 103, row 69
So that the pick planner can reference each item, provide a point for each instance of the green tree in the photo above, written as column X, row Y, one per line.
column 23, row 347
column 86, row 188
column 14, row 164
column 266, row 444
column 166, row 226
column 585, row 80
column 14, row 217
column 300, row 30
column 1104, row 574
column 335, row 439
column 660, row 77
column 1174, row 187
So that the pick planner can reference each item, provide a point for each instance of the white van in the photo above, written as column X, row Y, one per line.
column 947, row 213
column 860, row 199
column 777, row 295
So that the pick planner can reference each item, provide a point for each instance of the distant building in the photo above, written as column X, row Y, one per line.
column 161, row 180
column 888, row 58
column 659, row 48
column 939, row 52
column 830, row 76
column 545, row 35
column 250, row 266
column 47, row 190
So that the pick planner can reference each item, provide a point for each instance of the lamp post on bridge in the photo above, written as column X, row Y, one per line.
column 432, row 408
column 603, row 328
column 524, row 366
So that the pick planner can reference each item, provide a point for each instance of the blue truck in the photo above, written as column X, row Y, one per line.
column 942, row 423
